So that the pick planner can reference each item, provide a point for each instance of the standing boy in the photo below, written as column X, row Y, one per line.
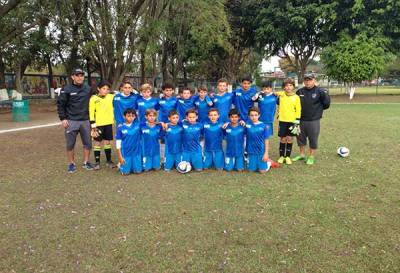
column 173, row 142
column 185, row 102
column 223, row 100
column 213, row 136
column 266, row 101
column 126, row 99
column 203, row 103
column 167, row 102
column 145, row 102
column 243, row 99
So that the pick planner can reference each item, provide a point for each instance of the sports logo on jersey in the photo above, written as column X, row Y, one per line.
column 228, row 131
column 207, row 126
column 197, row 103
column 185, row 126
column 169, row 130
column 238, row 94
column 181, row 101
column 73, row 94
column 215, row 100
column 141, row 103
column 314, row 95
column 162, row 101
column 248, row 126
column 124, row 131
column 145, row 131
column 117, row 98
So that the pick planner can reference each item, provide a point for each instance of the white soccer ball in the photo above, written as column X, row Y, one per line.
column 343, row 151
column 184, row 167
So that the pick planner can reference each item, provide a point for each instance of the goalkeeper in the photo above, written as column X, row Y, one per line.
column 289, row 112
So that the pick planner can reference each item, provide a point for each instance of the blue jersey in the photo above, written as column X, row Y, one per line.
column 256, row 134
column 191, row 136
column 150, row 139
column 267, row 106
column 213, row 136
column 183, row 105
column 224, row 104
column 202, row 108
column 173, row 139
column 234, row 140
column 166, row 105
column 130, row 136
column 121, row 103
column 243, row 101
column 145, row 104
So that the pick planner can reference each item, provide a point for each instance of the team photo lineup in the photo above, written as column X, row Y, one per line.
column 224, row 131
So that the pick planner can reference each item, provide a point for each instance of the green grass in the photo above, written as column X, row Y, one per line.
column 368, row 90
column 341, row 215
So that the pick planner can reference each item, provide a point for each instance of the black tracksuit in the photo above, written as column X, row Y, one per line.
column 73, row 102
column 313, row 102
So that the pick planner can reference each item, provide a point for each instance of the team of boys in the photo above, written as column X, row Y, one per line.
column 208, row 131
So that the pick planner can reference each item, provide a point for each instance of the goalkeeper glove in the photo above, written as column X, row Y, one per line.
column 295, row 128
column 95, row 133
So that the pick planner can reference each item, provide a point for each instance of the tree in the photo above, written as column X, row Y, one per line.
column 8, row 6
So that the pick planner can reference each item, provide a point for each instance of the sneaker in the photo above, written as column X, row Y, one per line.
column 111, row 164
column 310, row 160
column 88, row 166
column 96, row 167
column 281, row 160
column 298, row 158
column 72, row 168
column 288, row 160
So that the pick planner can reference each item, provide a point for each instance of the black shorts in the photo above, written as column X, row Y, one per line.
column 283, row 129
column 106, row 133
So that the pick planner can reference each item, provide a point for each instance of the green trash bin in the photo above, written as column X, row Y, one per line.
column 20, row 110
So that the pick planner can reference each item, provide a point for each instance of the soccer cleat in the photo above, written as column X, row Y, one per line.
column 310, row 160
column 111, row 164
column 281, row 160
column 96, row 167
column 71, row 168
column 88, row 166
column 288, row 160
column 298, row 158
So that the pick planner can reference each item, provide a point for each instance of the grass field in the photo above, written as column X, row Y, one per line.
column 341, row 215
column 368, row 90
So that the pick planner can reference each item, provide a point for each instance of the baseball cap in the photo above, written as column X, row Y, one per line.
column 309, row 76
column 77, row 71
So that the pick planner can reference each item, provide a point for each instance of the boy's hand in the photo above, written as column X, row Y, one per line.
column 242, row 123
column 225, row 125
column 256, row 96
column 64, row 123
column 121, row 161
column 209, row 101
column 265, row 158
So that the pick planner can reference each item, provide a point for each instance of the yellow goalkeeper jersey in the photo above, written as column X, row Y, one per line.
column 101, row 109
column 289, row 107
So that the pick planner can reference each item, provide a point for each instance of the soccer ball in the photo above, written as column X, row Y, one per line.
column 343, row 151
column 184, row 167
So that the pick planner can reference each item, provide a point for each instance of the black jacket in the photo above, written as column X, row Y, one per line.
column 313, row 102
column 73, row 102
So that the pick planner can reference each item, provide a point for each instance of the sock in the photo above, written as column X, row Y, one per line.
column 288, row 149
column 107, row 151
column 96, row 151
column 281, row 149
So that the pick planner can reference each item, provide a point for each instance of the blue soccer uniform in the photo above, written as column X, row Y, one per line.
column 234, row 155
column 183, row 105
column 166, row 105
column 151, row 146
column 224, row 104
column 173, row 146
column 202, row 107
column 192, row 151
column 256, row 134
column 213, row 153
column 128, row 137
column 145, row 104
column 122, row 102
column 243, row 101
column 267, row 106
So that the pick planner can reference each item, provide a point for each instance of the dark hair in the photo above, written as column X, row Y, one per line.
column 222, row 80
column 103, row 83
column 267, row 84
column 254, row 109
column 167, row 85
column 213, row 110
column 129, row 111
column 186, row 88
column 234, row 112
column 203, row 88
column 173, row 113
column 288, row 81
column 247, row 78
column 191, row 111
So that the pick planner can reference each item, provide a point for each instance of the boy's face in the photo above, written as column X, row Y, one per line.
column 202, row 94
column 127, row 89
column 254, row 116
column 222, row 87
column 234, row 119
column 146, row 93
column 191, row 118
column 168, row 92
column 104, row 90
column 129, row 118
column 246, row 85
column 173, row 119
column 186, row 94
column 151, row 118
column 213, row 116
column 267, row 90
column 288, row 88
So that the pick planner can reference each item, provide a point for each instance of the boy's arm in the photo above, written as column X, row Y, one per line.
column 265, row 156
column 92, row 108
column 298, row 109
column 118, row 145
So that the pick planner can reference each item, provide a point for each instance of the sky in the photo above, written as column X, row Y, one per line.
column 269, row 64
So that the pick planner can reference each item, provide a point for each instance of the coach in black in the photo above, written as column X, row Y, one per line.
column 73, row 111
column 314, row 100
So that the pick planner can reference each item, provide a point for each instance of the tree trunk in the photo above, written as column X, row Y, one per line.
column 2, row 71
column 18, row 79
column 302, row 72
column 50, row 70
column 142, row 68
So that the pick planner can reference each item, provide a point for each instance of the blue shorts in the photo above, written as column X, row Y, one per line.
column 133, row 164
column 257, row 164
column 234, row 162
column 194, row 158
column 151, row 162
column 171, row 161
column 214, row 159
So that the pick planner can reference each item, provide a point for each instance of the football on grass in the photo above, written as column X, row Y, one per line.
column 184, row 167
column 343, row 151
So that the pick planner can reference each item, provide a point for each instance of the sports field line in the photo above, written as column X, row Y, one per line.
column 29, row 127
column 367, row 103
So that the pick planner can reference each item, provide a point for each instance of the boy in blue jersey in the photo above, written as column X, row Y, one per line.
column 243, row 99
column 167, row 102
column 213, row 136
column 266, row 101
column 145, row 102
column 173, row 142
column 151, row 134
column 223, row 100
column 192, row 132
column 128, row 144
column 234, row 135
column 126, row 99
column 203, row 103
column 185, row 102
column 257, row 143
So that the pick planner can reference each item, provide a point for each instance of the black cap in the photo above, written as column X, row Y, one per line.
column 103, row 83
column 309, row 76
column 77, row 71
